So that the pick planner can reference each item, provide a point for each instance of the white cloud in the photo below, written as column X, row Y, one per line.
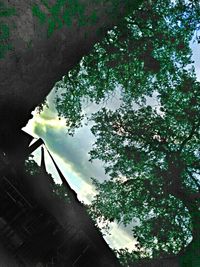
column 119, row 238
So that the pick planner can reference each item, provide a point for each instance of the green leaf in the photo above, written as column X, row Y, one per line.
column 51, row 27
column 67, row 18
column 7, row 12
column 38, row 13
column 4, row 48
column 93, row 18
column 4, row 31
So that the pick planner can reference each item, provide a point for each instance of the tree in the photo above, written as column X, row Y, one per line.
column 152, row 157
column 151, row 153
column 145, row 47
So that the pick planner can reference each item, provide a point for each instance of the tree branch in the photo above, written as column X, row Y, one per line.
column 194, row 196
column 194, row 127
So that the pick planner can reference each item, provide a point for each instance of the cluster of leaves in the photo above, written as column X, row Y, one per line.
column 61, row 192
column 62, row 13
column 4, row 28
column 127, row 258
column 31, row 167
column 143, row 49
column 99, row 220
column 151, row 156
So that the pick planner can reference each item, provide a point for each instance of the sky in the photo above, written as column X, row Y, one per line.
column 71, row 155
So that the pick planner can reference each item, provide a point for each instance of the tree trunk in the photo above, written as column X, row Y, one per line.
column 191, row 256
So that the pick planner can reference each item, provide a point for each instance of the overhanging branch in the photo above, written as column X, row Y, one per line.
column 193, row 130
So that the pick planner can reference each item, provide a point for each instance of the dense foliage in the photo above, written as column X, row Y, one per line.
column 152, row 153
column 152, row 157
column 143, row 49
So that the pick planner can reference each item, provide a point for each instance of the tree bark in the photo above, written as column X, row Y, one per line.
column 190, row 256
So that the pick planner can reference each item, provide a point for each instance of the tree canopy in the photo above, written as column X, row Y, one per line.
column 152, row 157
column 151, row 153
column 136, row 55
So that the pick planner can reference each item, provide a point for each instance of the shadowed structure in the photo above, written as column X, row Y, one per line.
column 37, row 227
